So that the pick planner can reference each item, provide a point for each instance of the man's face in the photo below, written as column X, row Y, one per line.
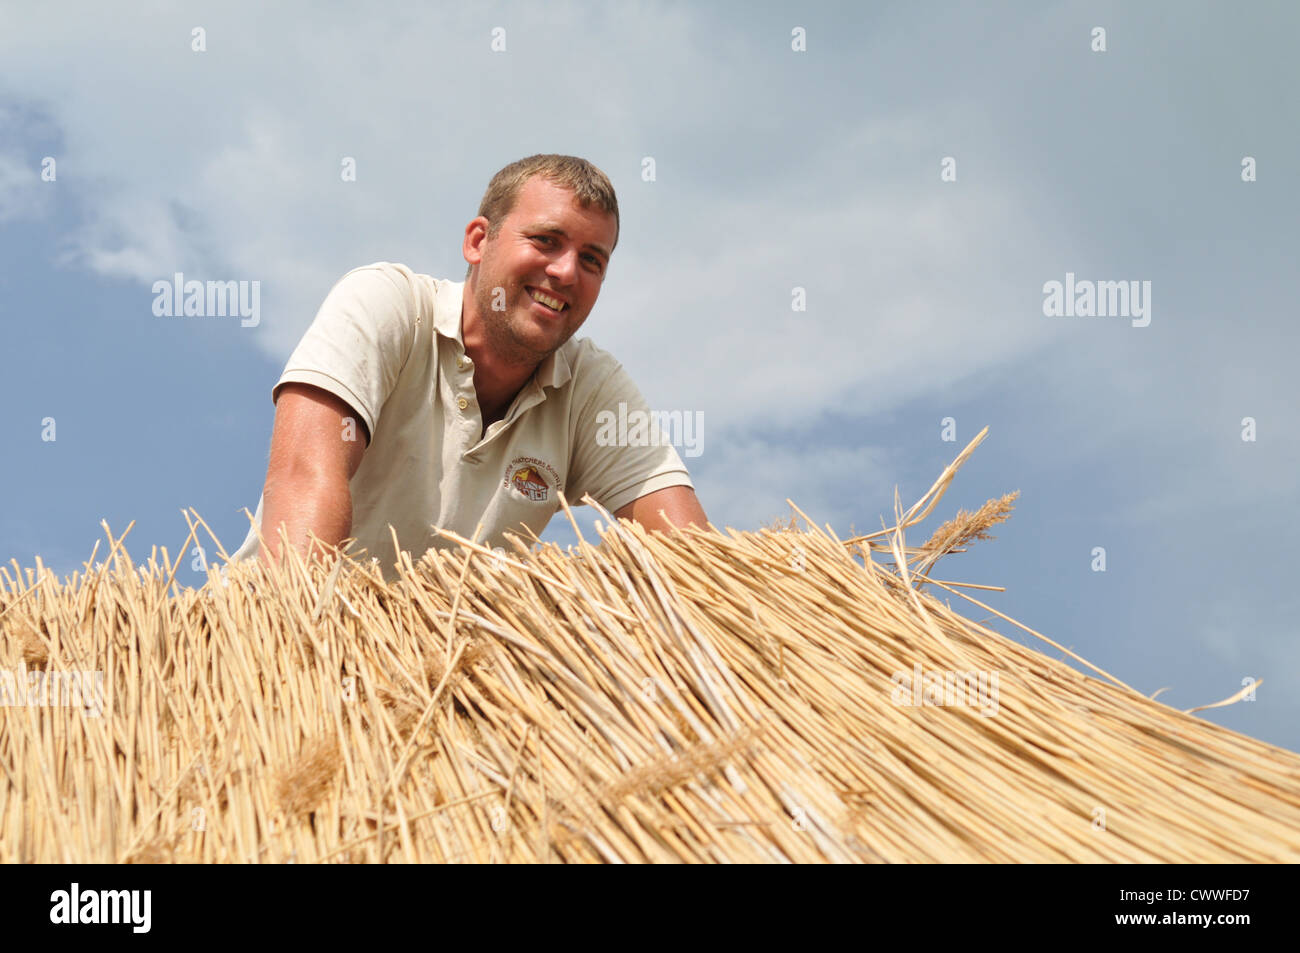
column 548, row 244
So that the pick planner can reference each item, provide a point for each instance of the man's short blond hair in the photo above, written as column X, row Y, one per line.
column 588, row 184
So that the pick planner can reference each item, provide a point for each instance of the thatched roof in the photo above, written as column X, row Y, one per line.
column 780, row 695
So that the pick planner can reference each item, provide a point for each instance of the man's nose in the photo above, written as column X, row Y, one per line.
column 564, row 267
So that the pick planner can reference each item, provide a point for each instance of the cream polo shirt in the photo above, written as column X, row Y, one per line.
column 388, row 343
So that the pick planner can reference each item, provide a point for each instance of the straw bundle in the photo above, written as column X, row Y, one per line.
column 687, row 697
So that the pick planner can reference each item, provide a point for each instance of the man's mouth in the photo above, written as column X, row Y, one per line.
column 551, row 304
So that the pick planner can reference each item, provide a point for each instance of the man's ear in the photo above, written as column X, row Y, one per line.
column 475, row 237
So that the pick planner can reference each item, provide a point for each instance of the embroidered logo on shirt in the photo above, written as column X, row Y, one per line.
column 528, row 476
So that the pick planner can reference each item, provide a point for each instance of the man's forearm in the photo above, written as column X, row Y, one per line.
column 306, row 505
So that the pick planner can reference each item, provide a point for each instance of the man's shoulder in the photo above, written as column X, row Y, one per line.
column 394, row 291
column 404, row 277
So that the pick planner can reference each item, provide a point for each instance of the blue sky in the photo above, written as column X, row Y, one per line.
column 774, row 169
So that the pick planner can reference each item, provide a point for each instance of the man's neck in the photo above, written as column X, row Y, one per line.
column 496, row 382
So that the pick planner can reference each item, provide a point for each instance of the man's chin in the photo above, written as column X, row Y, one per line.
column 542, row 334
column 537, row 347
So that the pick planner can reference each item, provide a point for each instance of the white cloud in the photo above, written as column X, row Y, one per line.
column 899, row 304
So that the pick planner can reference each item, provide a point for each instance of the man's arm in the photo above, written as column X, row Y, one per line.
column 680, row 505
column 310, row 467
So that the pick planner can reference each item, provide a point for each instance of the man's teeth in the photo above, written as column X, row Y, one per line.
column 553, row 303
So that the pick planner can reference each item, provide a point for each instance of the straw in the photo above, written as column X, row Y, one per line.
column 686, row 697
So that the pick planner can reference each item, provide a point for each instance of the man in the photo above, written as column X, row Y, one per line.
column 414, row 401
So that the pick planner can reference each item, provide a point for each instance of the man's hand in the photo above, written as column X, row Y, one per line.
column 310, row 467
column 680, row 505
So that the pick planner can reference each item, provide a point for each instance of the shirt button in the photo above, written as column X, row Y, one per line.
column 460, row 362
column 462, row 403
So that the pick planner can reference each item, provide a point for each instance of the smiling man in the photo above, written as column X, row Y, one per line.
column 414, row 402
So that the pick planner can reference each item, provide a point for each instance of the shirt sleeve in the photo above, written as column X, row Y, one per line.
column 359, row 341
column 616, row 459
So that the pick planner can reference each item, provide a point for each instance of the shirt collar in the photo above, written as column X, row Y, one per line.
column 447, row 309
column 555, row 370
column 448, row 306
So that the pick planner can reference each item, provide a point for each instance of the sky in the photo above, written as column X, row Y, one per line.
column 921, row 171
